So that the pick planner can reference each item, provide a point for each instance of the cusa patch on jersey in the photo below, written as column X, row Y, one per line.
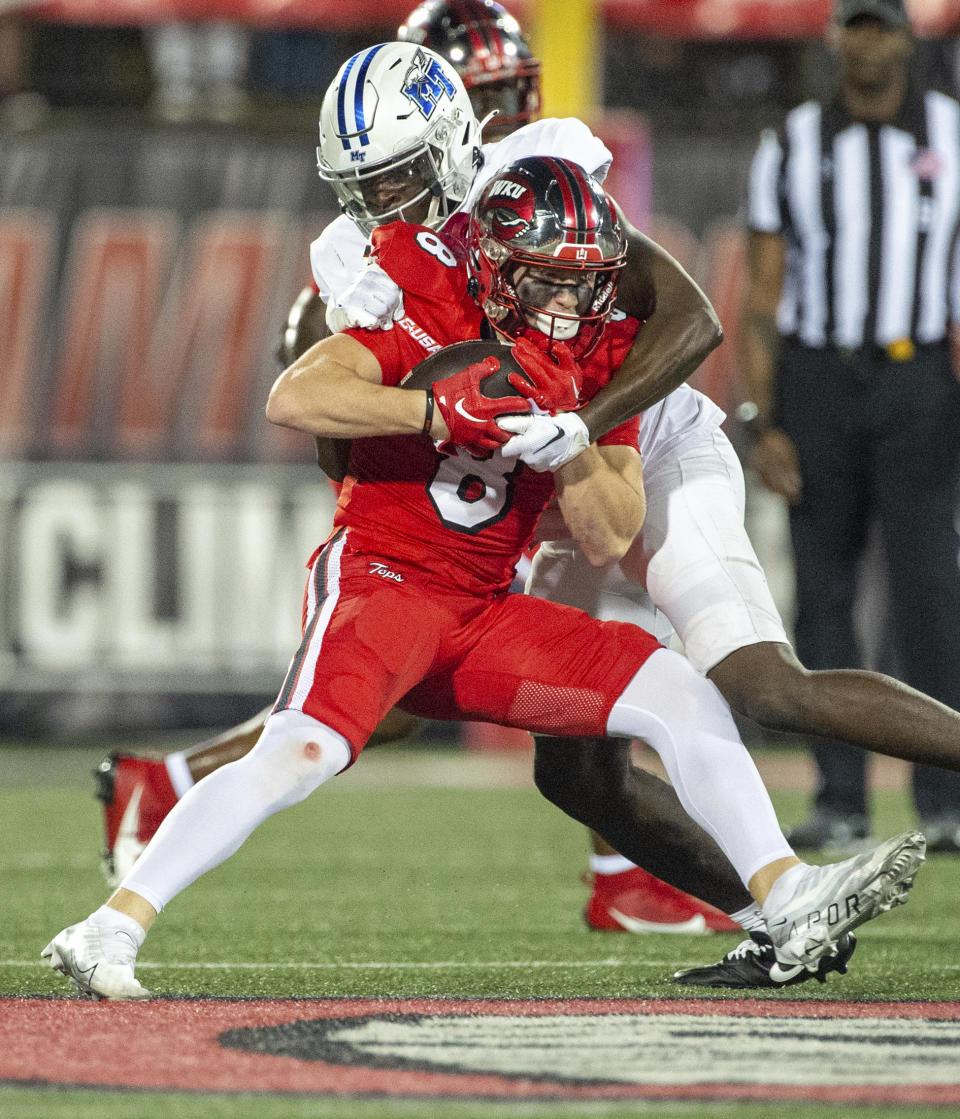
column 453, row 359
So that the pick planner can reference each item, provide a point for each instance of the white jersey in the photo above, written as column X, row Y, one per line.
column 683, row 415
column 568, row 138
column 336, row 257
column 337, row 254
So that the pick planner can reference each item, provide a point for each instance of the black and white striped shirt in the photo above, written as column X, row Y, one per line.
column 871, row 215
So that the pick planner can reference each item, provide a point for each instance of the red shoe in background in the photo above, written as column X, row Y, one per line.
column 136, row 794
column 634, row 901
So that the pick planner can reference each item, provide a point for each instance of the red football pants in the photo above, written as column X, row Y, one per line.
column 378, row 632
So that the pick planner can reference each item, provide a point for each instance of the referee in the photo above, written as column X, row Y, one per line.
column 853, row 296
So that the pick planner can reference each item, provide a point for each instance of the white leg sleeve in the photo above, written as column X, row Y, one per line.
column 293, row 756
column 686, row 720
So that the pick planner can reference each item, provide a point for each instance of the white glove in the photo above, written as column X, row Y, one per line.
column 545, row 442
column 372, row 301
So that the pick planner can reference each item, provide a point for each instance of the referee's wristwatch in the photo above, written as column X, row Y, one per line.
column 753, row 423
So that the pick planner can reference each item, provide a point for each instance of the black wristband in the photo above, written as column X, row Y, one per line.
column 428, row 417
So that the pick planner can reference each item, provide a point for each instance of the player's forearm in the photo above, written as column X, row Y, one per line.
column 681, row 331
column 333, row 391
column 343, row 408
column 773, row 454
column 759, row 346
column 759, row 334
column 602, row 501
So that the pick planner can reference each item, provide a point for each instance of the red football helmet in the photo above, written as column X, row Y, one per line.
column 543, row 226
column 486, row 47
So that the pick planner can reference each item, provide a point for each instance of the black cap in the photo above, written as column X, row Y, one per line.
column 892, row 12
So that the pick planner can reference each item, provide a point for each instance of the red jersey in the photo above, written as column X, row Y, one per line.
column 464, row 520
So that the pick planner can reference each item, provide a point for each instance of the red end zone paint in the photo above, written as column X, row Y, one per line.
column 206, row 1046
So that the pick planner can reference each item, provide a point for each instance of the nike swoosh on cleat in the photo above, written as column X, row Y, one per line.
column 87, row 974
column 781, row 974
column 695, row 924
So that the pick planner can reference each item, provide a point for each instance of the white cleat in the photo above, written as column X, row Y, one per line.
column 98, row 959
column 831, row 900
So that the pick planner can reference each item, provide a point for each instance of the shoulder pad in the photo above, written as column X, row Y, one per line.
column 420, row 261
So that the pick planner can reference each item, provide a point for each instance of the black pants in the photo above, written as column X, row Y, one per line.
column 878, row 442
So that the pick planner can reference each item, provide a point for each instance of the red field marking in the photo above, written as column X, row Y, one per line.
column 180, row 1046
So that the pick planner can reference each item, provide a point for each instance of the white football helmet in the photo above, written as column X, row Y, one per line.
column 399, row 140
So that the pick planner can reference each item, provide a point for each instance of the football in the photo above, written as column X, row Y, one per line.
column 452, row 359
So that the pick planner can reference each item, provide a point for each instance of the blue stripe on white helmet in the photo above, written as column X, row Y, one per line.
column 351, row 87
column 397, row 113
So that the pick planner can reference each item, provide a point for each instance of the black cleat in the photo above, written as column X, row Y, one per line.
column 749, row 964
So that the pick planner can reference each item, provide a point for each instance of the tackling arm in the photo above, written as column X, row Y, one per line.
column 680, row 329
column 601, row 496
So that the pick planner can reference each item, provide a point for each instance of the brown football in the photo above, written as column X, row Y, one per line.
column 452, row 359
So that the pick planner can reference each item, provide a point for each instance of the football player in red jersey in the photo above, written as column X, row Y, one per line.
column 435, row 512
column 486, row 47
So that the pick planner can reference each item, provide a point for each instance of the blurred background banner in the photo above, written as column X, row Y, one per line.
column 144, row 278
column 706, row 19
column 153, row 527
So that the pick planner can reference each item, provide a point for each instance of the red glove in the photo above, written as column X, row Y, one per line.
column 557, row 379
column 471, row 417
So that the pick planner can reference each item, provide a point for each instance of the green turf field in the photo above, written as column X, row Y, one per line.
column 383, row 888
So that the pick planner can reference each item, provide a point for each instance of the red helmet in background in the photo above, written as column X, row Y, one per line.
column 486, row 47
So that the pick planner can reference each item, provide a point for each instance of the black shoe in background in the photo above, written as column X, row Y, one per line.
column 831, row 833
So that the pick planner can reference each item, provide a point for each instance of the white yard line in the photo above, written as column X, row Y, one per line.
column 372, row 965
column 408, row 965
